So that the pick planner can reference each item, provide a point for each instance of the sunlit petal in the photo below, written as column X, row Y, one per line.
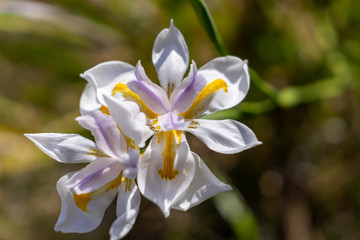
column 72, row 218
column 224, row 136
column 66, row 148
column 104, row 76
column 166, row 170
column 127, row 209
column 234, row 72
column 204, row 186
column 170, row 57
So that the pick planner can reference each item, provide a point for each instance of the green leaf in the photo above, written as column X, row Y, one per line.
column 207, row 22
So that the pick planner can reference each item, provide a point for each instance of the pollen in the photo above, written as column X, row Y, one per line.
column 204, row 95
column 168, row 172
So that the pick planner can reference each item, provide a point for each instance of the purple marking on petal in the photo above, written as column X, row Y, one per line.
column 104, row 129
column 153, row 95
column 80, row 183
column 95, row 175
column 171, row 121
column 185, row 94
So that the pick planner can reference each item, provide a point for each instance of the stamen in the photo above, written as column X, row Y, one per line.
column 206, row 93
column 168, row 172
column 121, row 87
column 193, row 125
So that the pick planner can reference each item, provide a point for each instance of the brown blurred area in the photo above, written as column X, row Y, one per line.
column 302, row 183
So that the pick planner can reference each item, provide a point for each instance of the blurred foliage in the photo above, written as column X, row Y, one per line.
column 302, row 183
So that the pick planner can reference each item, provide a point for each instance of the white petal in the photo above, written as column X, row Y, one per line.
column 88, row 101
column 72, row 218
column 170, row 57
column 224, row 136
column 234, row 72
column 106, row 134
column 66, row 148
column 104, row 76
column 127, row 209
column 130, row 120
column 161, row 190
column 204, row 186
column 95, row 175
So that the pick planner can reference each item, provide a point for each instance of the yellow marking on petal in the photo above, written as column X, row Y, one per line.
column 178, row 136
column 114, row 183
column 97, row 153
column 121, row 87
column 82, row 200
column 129, row 142
column 159, row 136
column 105, row 109
column 128, row 182
column 208, row 90
column 168, row 172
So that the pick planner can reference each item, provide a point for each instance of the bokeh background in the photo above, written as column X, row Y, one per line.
column 302, row 183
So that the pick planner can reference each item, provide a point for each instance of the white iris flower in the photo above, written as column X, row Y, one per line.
column 170, row 174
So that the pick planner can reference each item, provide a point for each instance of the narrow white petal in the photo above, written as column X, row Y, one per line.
column 127, row 209
column 170, row 57
column 224, row 136
column 130, row 120
column 104, row 76
column 66, row 148
column 165, row 190
column 234, row 72
column 72, row 218
column 204, row 186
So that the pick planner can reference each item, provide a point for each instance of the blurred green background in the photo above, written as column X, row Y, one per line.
column 303, row 182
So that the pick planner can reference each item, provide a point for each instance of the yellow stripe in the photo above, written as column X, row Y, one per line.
column 105, row 109
column 208, row 90
column 121, row 87
column 96, row 153
column 171, row 138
